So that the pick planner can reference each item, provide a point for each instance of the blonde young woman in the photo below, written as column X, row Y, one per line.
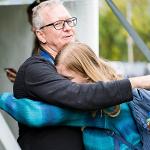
column 107, row 129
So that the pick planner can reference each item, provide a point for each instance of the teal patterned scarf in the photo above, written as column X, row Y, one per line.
column 38, row 114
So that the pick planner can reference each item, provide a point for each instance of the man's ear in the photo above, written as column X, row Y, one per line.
column 41, row 36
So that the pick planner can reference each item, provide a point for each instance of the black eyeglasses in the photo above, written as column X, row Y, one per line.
column 60, row 24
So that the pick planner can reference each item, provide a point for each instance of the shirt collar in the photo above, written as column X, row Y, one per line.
column 46, row 55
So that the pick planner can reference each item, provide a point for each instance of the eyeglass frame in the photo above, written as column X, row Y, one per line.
column 65, row 21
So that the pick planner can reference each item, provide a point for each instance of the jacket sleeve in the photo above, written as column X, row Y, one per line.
column 25, row 111
column 42, row 80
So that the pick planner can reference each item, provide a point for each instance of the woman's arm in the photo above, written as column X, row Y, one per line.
column 38, row 114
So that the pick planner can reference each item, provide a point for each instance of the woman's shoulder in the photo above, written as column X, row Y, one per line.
column 140, row 107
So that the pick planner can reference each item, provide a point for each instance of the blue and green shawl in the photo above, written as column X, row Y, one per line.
column 39, row 114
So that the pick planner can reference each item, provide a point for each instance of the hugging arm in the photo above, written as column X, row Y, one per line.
column 51, row 87
column 38, row 114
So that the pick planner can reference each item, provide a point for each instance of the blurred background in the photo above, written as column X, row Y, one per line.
column 99, row 24
column 116, row 44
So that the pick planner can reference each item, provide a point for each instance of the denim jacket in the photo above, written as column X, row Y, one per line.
column 140, row 107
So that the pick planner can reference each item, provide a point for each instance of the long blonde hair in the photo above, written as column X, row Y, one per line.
column 80, row 58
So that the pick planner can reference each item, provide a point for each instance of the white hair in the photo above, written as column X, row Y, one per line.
column 37, row 19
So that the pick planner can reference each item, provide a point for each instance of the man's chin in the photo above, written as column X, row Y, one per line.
column 68, row 40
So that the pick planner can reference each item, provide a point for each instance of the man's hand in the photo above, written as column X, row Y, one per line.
column 140, row 82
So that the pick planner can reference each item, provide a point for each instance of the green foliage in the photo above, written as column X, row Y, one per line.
column 113, row 36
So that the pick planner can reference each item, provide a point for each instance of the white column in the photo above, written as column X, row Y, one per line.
column 87, row 12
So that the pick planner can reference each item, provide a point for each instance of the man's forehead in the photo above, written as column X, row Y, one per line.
column 56, row 13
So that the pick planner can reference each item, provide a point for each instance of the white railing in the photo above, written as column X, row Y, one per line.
column 6, row 137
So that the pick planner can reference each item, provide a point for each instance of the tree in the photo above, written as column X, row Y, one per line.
column 112, row 34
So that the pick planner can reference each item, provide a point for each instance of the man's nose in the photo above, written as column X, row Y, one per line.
column 66, row 26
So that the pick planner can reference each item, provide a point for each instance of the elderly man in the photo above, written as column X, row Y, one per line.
column 38, row 79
